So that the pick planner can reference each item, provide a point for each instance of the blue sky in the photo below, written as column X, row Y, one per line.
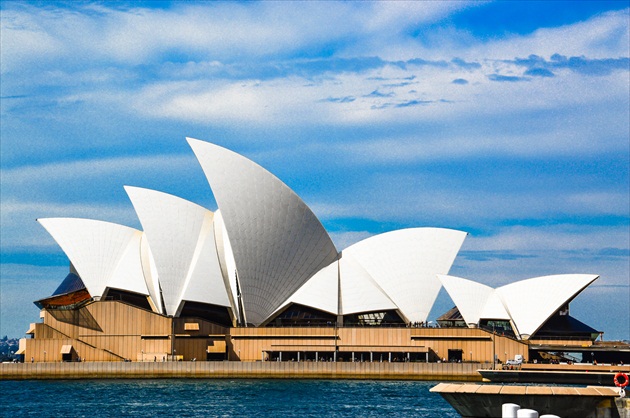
column 508, row 120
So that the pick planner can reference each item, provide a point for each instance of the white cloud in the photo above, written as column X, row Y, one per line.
column 23, row 41
column 22, row 232
column 210, row 36
column 41, row 191
column 521, row 252
column 344, row 239
column 228, row 31
column 603, row 36
column 554, row 238
column 582, row 114
column 200, row 102
column 437, row 199
column 208, row 30
column 32, row 175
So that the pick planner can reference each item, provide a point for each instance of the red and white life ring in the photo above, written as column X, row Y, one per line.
column 624, row 383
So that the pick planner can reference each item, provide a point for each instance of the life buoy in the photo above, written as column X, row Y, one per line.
column 624, row 383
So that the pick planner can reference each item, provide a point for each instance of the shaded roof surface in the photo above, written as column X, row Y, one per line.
column 564, row 325
column 452, row 314
column 71, row 283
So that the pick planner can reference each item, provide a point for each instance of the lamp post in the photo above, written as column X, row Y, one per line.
column 336, row 339
column 494, row 353
column 172, row 337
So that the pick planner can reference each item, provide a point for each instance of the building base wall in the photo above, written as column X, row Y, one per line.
column 246, row 370
column 114, row 331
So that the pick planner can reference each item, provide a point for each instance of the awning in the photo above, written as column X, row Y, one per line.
column 66, row 349
column 383, row 349
column 20, row 351
column 302, row 347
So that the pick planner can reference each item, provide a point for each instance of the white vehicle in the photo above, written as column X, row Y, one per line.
column 518, row 360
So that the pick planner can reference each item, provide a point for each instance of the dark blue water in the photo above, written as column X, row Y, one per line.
column 221, row 398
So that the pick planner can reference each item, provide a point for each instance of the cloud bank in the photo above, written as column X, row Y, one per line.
column 381, row 115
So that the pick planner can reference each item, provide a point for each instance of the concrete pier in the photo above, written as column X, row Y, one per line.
column 462, row 372
column 474, row 400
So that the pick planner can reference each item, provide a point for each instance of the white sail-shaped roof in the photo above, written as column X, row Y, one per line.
column 359, row 291
column 532, row 302
column 404, row 263
column 205, row 281
column 528, row 304
column 277, row 241
column 494, row 308
column 104, row 254
column 150, row 275
column 320, row 292
column 181, row 237
column 474, row 300
column 226, row 258
column 342, row 288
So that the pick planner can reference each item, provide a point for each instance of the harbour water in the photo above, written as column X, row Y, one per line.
column 221, row 398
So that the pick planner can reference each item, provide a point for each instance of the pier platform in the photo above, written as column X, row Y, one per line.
column 475, row 400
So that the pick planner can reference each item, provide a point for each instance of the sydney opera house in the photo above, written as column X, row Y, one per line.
column 261, row 280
